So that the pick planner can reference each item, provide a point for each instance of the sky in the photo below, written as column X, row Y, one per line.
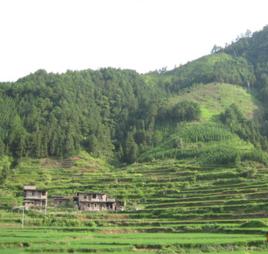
column 144, row 35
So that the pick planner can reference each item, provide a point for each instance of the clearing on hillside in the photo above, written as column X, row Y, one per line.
column 214, row 98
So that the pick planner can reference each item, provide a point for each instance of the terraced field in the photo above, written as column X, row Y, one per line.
column 171, row 207
column 60, row 241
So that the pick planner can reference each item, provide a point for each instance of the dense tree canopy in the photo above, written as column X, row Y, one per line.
column 119, row 113
column 50, row 114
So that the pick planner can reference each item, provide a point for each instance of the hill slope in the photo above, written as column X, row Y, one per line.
column 219, row 67
column 163, row 200
column 167, row 189
column 215, row 98
column 186, row 150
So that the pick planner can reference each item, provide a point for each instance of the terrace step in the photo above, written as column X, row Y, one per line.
column 67, row 163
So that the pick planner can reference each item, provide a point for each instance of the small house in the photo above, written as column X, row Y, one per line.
column 96, row 202
column 34, row 198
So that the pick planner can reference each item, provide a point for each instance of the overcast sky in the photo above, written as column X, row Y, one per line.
column 144, row 35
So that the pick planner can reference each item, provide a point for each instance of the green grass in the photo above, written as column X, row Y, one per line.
column 52, row 241
column 214, row 98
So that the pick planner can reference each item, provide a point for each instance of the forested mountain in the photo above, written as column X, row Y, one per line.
column 50, row 114
column 124, row 116
column 254, row 48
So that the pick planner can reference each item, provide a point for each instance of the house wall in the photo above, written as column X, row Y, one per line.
column 91, row 206
column 92, row 197
column 35, row 194
column 34, row 203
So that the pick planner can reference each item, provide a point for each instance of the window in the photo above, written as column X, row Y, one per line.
column 94, row 195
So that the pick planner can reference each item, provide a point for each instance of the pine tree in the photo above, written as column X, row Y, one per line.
column 131, row 149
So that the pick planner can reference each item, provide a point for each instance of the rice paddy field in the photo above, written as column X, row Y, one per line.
column 171, row 206
column 65, row 241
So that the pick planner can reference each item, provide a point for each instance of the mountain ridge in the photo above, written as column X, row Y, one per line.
column 119, row 114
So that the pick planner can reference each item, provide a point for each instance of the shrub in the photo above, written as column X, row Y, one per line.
column 253, row 224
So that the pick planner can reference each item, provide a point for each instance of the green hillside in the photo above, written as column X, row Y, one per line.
column 171, row 206
column 208, row 140
column 117, row 114
column 219, row 67
column 203, row 143
column 215, row 98
column 185, row 150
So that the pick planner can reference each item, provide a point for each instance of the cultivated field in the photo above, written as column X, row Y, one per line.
column 171, row 207
column 81, row 240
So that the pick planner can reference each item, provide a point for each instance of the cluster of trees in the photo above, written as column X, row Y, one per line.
column 180, row 112
column 254, row 49
column 101, row 111
column 219, row 67
column 111, row 113
column 248, row 130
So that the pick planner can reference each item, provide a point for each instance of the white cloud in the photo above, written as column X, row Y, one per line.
column 139, row 34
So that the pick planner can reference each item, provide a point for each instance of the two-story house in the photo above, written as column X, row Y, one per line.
column 34, row 197
column 96, row 202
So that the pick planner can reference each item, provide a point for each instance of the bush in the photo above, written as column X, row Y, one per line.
column 254, row 224
column 185, row 111
column 211, row 227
